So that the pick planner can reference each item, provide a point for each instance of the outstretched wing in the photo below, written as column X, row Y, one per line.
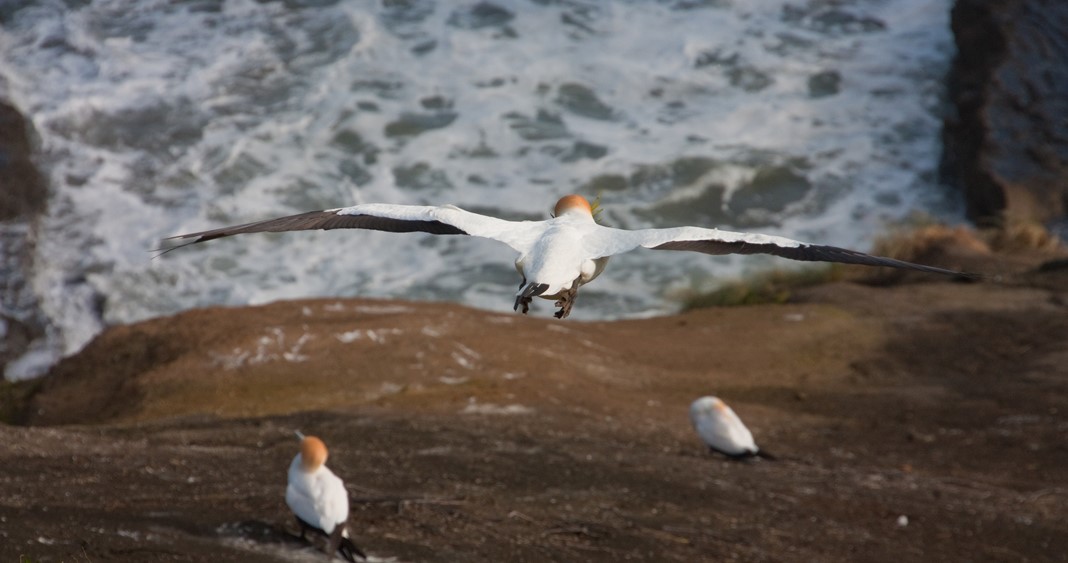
column 715, row 241
column 440, row 220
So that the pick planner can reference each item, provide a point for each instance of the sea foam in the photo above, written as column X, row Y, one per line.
column 812, row 120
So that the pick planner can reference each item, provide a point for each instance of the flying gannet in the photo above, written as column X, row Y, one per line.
column 318, row 498
column 722, row 431
column 557, row 255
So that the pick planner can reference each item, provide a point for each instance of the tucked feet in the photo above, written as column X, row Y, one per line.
column 566, row 301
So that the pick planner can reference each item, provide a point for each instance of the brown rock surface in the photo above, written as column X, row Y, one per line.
column 467, row 435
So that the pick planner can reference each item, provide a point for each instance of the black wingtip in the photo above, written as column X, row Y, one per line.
column 166, row 245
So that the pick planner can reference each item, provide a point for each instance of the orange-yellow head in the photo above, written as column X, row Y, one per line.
column 312, row 453
column 572, row 203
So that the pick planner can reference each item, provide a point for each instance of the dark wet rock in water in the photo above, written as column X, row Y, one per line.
column 413, row 124
column 827, row 18
column 581, row 100
column 770, row 191
column 582, row 149
column 605, row 183
column 483, row 14
column 22, row 189
column 421, row 176
column 705, row 207
column 542, row 127
column 353, row 143
column 23, row 196
column 824, row 84
column 749, row 79
column 715, row 57
column 1006, row 146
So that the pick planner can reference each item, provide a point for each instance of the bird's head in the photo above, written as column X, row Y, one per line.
column 313, row 453
column 708, row 406
column 573, row 204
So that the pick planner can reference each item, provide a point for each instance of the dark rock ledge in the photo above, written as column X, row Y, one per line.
column 1006, row 146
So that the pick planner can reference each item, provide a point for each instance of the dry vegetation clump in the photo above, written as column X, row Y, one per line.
column 1023, row 236
column 914, row 244
column 920, row 240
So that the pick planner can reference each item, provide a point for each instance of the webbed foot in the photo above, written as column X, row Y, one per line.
column 566, row 301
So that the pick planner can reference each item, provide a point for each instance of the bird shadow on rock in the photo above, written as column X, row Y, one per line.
column 265, row 534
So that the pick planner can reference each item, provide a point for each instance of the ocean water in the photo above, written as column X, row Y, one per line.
column 813, row 119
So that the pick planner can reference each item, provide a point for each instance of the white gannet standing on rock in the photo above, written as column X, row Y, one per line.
column 722, row 431
column 557, row 255
column 318, row 498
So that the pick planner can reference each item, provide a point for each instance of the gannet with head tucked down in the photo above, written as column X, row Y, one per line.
column 557, row 255
column 722, row 431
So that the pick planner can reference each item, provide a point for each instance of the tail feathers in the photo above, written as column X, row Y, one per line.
column 744, row 455
column 523, row 299
column 766, row 455
column 341, row 543
column 350, row 550
column 338, row 541
column 533, row 289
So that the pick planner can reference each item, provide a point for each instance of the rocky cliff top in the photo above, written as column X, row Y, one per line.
column 921, row 420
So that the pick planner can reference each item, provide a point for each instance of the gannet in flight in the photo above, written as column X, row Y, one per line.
column 722, row 431
column 557, row 255
column 318, row 498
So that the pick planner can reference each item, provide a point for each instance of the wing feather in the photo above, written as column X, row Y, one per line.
column 521, row 235
column 717, row 242
column 300, row 500
column 442, row 220
column 332, row 500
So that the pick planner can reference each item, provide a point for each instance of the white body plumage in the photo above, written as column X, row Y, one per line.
column 317, row 496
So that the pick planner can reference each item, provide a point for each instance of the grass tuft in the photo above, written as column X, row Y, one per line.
column 774, row 286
